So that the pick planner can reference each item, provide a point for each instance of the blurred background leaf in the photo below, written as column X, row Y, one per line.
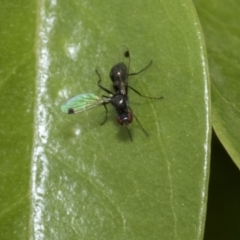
column 220, row 23
column 87, row 181
column 223, row 212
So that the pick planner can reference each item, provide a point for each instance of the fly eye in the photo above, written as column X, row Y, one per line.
column 130, row 117
column 119, row 120
column 125, row 118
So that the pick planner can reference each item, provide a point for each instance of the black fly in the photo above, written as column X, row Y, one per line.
column 119, row 74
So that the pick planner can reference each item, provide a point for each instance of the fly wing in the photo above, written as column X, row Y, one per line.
column 124, row 56
column 81, row 102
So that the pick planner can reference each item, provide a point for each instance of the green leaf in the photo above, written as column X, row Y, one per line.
column 87, row 181
column 17, row 87
column 220, row 20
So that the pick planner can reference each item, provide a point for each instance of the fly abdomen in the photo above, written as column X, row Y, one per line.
column 119, row 76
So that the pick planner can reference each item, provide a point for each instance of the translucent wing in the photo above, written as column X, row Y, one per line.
column 81, row 102
column 124, row 56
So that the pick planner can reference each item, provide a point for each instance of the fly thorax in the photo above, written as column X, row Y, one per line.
column 120, row 103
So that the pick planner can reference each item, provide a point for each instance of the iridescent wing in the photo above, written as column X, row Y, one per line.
column 82, row 102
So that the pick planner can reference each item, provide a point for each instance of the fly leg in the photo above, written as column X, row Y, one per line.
column 143, row 95
column 103, row 88
column 105, row 119
column 146, row 133
column 132, row 74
